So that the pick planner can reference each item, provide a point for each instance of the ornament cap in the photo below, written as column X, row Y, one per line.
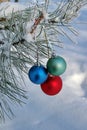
column 37, row 64
column 53, row 55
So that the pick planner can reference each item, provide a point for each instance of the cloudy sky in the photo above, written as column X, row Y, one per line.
column 68, row 109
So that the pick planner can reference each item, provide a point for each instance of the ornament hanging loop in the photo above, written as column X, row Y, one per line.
column 37, row 56
column 37, row 53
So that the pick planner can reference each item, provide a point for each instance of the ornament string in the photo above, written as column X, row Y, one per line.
column 37, row 50
column 46, row 4
column 46, row 42
column 37, row 56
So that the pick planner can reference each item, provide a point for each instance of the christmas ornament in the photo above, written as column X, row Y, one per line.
column 38, row 74
column 52, row 85
column 56, row 65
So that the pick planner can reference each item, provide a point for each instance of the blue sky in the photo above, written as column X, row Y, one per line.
column 68, row 109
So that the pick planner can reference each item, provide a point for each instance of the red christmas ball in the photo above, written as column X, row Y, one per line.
column 52, row 85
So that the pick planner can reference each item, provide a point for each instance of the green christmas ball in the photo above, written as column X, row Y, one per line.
column 56, row 65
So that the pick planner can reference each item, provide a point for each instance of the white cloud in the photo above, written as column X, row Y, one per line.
column 74, row 81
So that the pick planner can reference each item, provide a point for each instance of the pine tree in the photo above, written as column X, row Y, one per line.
column 28, row 36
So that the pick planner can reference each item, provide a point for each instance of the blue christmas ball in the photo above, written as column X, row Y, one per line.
column 38, row 74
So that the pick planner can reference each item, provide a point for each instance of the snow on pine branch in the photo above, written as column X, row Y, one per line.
column 23, row 30
column 7, row 8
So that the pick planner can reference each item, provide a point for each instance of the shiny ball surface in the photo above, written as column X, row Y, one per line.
column 56, row 65
column 38, row 74
column 52, row 85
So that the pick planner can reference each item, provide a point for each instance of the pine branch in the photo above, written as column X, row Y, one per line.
column 21, row 32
